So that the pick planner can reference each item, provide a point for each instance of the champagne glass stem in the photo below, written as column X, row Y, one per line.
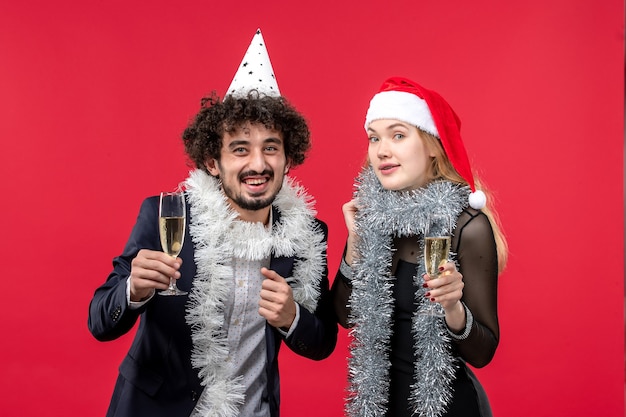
column 172, row 287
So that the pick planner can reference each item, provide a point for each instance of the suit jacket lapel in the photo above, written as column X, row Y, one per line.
column 282, row 265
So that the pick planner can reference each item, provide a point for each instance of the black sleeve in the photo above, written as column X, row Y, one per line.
column 315, row 336
column 109, row 314
column 475, row 246
column 341, row 291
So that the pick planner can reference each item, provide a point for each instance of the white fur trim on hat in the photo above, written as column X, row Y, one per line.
column 403, row 106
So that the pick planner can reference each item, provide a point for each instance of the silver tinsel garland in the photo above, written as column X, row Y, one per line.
column 383, row 215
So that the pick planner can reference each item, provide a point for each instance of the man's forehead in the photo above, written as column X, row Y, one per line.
column 247, row 129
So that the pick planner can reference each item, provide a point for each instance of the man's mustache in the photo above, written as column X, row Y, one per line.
column 266, row 172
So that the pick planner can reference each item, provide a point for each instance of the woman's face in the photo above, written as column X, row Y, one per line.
column 398, row 154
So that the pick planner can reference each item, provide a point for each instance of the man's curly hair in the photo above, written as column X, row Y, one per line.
column 203, row 136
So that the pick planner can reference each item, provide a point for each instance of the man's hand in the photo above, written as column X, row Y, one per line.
column 150, row 271
column 276, row 304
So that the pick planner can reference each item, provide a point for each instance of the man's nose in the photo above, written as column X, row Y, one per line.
column 257, row 161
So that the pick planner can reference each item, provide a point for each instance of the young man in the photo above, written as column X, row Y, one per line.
column 253, row 262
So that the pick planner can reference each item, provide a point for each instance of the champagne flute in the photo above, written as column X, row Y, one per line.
column 436, row 251
column 172, row 215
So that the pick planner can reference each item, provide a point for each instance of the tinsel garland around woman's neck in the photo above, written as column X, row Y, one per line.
column 381, row 216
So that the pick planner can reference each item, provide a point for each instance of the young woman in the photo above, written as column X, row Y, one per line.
column 405, row 361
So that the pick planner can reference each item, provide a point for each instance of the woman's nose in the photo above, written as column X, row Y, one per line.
column 383, row 150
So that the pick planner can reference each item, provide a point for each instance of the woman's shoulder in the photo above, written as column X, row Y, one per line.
column 471, row 215
column 473, row 226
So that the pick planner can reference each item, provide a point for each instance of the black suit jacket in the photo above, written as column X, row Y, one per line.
column 156, row 377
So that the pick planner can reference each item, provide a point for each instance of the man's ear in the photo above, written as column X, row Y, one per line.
column 287, row 166
column 212, row 166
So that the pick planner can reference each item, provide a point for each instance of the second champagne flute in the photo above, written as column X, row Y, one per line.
column 172, row 214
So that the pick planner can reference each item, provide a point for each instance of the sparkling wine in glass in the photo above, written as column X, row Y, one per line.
column 436, row 252
column 436, row 249
column 172, row 217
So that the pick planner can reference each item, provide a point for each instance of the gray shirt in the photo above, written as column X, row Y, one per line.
column 246, row 335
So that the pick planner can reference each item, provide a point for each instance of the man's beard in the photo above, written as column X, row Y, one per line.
column 251, row 204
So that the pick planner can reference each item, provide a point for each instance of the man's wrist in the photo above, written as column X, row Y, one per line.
column 136, row 304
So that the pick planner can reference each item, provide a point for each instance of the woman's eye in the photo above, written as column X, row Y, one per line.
column 373, row 139
column 398, row 136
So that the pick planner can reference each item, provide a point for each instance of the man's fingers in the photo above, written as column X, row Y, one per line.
column 271, row 274
column 156, row 261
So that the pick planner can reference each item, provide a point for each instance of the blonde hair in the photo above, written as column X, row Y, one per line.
column 442, row 168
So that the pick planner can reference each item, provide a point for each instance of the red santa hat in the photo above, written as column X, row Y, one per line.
column 405, row 100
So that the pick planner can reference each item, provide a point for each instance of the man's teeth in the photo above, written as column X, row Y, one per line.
column 255, row 181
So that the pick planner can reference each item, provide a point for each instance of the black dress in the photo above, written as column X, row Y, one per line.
column 468, row 393
column 475, row 249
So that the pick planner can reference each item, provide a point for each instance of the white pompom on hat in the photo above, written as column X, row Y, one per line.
column 255, row 71
column 405, row 100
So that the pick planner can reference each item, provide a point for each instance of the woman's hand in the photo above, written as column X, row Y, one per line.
column 349, row 211
column 447, row 290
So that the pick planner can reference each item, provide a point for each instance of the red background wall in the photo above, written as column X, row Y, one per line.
column 94, row 96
